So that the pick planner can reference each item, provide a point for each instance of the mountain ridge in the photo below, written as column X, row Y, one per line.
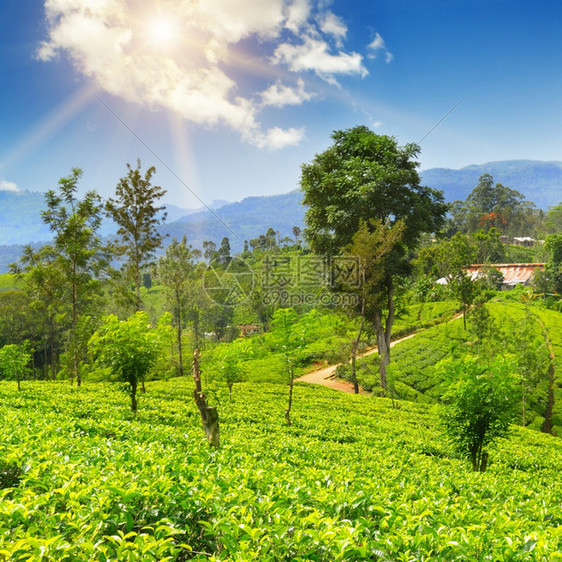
column 20, row 211
column 540, row 181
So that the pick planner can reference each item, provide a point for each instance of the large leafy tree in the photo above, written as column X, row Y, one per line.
column 370, row 246
column 135, row 210
column 365, row 176
column 80, row 257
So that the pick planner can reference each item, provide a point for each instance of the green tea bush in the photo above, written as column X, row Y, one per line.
column 352, row 479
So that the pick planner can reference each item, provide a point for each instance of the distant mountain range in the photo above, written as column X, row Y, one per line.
column 20, row 217
column 20, row 212
column 241, row 221
column 540, row 182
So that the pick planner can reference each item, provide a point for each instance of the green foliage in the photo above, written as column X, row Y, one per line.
column 14, row 361
column 225, row 362
column 553, row 269
column 494, row 329
column 129, row 348
column 7, row 281
column 10, row 474
column 288, row 336
column 351, row 480
column 480, row 401
column 76, row 258
column 363, row 176
column 553, row 220
column 495, row 206
column 177, row 272
column 365, row 191
column 135, row 211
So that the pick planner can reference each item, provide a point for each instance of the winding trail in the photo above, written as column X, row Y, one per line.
column 326, row 376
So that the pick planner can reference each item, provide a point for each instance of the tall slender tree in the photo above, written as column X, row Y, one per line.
column 43, row 282
column 135, row 210
column 80, row 256
column 176, row 271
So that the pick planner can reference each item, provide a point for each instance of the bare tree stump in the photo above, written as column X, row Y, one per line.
column 209, row 414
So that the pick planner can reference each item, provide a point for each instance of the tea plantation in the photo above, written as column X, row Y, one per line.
column 352, row 479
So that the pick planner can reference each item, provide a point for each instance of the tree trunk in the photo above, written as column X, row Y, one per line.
column 354, row 350
column 134, row 398
column 290, row 405
column 383, row 348
column 383, row 332
column 209, row 414
column 180, row 353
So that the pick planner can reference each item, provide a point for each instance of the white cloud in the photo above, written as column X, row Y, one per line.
column 8, row 186
column 314, row 55
column 376, row 45
column 298, row 13
column 278, row 95
column 276, row 138
column 332, row 25
column 196, row 66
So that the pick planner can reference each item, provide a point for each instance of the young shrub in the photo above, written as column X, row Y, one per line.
column 480, row 405
column 14, row 360
column 226, row 362
column 288, row 336
column 129, row 348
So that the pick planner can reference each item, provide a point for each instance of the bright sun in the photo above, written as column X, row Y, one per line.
column 163, row 32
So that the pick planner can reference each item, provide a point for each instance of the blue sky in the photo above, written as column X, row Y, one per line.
column 230, row 97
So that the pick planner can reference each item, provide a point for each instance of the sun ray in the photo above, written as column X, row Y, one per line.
column 185, row 162
column 53, row 123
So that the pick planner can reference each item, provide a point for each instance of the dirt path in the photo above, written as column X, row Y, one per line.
column 327, row 375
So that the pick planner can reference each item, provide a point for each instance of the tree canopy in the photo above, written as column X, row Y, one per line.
column 495, row 206
column 365, row 176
